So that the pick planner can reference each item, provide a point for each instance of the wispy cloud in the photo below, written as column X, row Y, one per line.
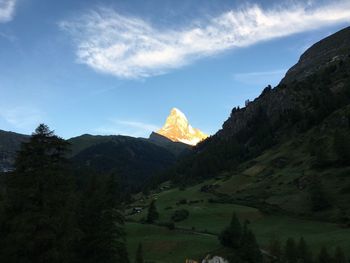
column 261, row 77
column 138, row 125
column 7, row 10
column 126, row 127
column 129, row 47
column 22, row 117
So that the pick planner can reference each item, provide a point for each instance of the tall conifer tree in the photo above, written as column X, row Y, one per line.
column 38, row 224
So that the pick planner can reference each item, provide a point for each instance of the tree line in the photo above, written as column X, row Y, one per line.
column 50, row 214
column 243, row 248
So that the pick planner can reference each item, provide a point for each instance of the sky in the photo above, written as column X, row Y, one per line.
column 118, row 67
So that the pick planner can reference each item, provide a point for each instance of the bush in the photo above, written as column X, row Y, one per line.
column 180, row 215
column 182, row 202
column 169, row 225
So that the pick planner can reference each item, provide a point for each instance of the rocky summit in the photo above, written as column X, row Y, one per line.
column 178, row 129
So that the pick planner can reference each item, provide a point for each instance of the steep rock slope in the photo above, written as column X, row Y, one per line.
column 289, row 139
column 178, row 129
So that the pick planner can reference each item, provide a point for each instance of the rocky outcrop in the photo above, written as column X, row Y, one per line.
column 328, row 50
column 178, row 129
column 296, row 93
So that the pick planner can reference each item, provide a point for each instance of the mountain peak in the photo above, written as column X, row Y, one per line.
column 178, row 129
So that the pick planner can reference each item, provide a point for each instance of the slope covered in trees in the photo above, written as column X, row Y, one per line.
column 289, row 137
column 46, row 216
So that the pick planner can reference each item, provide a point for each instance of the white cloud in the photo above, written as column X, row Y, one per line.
column 260, row 78
column 7, row 10
column 22, row 117
column 138, row 125
column 129, row 47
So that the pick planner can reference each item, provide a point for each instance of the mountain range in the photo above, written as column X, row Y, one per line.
column 135, row 159
column 290, row 140
column 289, row 149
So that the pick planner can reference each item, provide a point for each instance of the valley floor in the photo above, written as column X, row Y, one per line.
column 207, row 219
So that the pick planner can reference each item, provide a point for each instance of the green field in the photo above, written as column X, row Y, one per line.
column 167, row 246
column 206, row 217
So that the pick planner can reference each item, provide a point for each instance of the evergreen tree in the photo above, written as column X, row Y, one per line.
column 304, row 254
column 323, row 256
column 152, row 215
column 231, row 235
column 341, row 144
column 319, row 199
column 38, row 221
column 139, row 254
column 102, row 223
column 290, row 251
column 112, row 245
column 339, row 256
column 275, row 249
column 249, row 248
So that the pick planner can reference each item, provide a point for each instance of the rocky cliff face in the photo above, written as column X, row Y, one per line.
column 317, row 86
column 325, row 52
column 178, row 129
column 320, row 74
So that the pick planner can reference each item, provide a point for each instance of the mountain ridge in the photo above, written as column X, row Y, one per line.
column 178, row 129
column 290, row 139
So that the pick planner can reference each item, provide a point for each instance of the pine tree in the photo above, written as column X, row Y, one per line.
column 304, row 254
column 318, row 196
column 249, row 248
column 112, row 245
column 323, row 256
column 152, row 215
column 290, row 251
column 341, row 146
column 339, row 256
column 139, row 254
column 231, row 235
column 103, row 238
column 38, row 223
column 275, row 249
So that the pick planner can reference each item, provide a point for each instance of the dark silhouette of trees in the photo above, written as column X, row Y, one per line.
column 341, row 146
column 300, row 253
column 103, row 238
column 323, row 256
column 38, row 223
column 304, row 253
column 152, row 215
column 318, row 196
column 275, row 249
column 339, row 256
column 46, row 217
column 139, row 254
column 249, row 249
column 290, row 251
column 231, row 235
column 241, row 241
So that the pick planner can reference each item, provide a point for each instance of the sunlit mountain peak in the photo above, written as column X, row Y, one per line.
column 178, row 129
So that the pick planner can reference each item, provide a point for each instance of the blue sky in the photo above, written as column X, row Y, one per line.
column 118, row 67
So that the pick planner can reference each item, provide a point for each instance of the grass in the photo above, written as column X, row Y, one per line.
column 277, row 177
column 317, row 234
column 213, row 217
column 161, row 245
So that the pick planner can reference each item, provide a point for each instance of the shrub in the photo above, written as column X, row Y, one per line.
column 180, row 215
column 169, row 225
